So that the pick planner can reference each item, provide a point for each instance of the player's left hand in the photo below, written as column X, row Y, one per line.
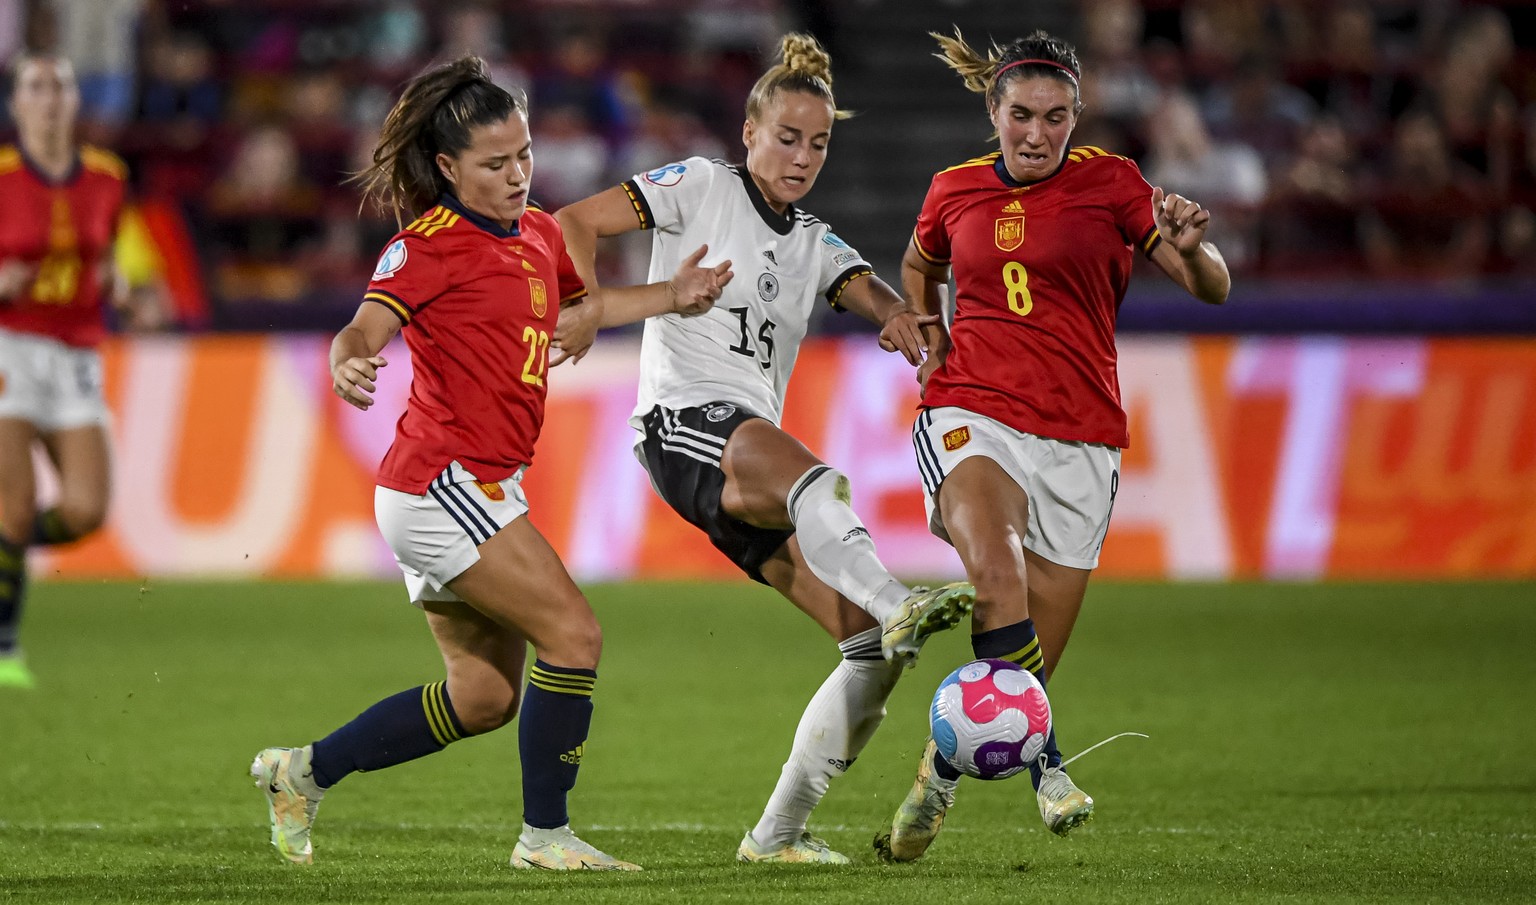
column 903, row 332
column 1181, row 221
column 576, row 330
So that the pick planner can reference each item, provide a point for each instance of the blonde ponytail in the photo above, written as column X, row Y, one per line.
column 804, row 66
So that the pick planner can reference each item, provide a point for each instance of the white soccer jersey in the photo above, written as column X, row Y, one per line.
column 743, row 349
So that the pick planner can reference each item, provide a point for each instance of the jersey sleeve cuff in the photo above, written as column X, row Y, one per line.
column 401, row 309
column 842, row 282
column 1150, row 241
column 926, row 255
column 641, row 206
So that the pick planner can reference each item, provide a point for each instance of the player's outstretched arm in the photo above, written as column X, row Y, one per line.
column 901, row 328
column 925, row 284
column 1184, row 254
column 355, row 358
column 691, row 291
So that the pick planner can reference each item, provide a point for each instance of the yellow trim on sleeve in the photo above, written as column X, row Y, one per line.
column 391, row 303
column 923, row 253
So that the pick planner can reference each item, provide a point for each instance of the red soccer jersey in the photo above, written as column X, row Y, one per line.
column 1040, row 271
column 65, row 230
column 478, row 313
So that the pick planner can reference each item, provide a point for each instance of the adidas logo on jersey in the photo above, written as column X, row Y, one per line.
column 1013, row 207
column 771, row 259
column 573, row 756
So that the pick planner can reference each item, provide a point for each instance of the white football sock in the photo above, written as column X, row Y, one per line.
column 840, row 720
column 837, row 546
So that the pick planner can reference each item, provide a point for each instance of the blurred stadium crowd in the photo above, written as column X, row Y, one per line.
column 1387, row 138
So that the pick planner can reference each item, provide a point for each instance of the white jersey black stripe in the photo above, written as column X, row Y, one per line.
column 742, row 350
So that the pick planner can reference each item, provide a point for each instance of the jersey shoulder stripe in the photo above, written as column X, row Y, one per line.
column 100, row 160
column 433, row 221
column 10, row 159
column 1088, row 152
column 984, row 160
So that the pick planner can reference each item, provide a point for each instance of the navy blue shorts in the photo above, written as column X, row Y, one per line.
column 681, row 451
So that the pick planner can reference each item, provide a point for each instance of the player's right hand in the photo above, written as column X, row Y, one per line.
column 353, row 379
column 695, row 289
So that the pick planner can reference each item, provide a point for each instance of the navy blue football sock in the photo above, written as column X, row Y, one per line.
column 48, row 528
column 1019, row 644
column 557, row 710
column 399, row 728
column 13, row 589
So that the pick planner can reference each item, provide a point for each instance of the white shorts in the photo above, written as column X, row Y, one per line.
column 437, row 535
column 51, row 384
column 1071, row 485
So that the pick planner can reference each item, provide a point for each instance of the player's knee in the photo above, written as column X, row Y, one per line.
column 578, row 643
column 82, row 517
column 487, row 707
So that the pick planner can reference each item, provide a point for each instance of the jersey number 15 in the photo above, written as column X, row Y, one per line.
column 764, row 339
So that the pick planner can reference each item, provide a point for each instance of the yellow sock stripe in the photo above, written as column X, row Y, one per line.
column 561, row 689
column 1033, row 662
column 1022, row 653
column 556, row 678
column 441, row 697
column 561, row 683
column 437, row 714
column 432, row 718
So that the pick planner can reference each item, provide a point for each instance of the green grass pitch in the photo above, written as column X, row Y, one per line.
column 1330, row 743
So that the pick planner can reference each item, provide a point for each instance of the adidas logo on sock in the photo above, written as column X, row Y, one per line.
column 855, row 533
column 573, row 756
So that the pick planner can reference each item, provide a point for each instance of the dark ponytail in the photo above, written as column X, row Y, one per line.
column 434, row 116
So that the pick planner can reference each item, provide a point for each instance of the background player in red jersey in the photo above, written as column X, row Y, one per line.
column 1021, row 427
column 479, row 278
column 62, row 202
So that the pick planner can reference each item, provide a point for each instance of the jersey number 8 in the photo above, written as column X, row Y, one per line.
column 1016, row 280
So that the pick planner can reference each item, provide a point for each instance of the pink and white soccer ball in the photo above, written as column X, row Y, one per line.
column 990, row 719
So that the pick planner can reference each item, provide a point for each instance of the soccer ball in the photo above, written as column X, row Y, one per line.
column 990, row 719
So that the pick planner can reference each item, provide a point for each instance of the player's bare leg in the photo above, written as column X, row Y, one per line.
column 18, row 502
column 773, row 481
column 83, row 457
column 521, row 584
column 986, row 514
